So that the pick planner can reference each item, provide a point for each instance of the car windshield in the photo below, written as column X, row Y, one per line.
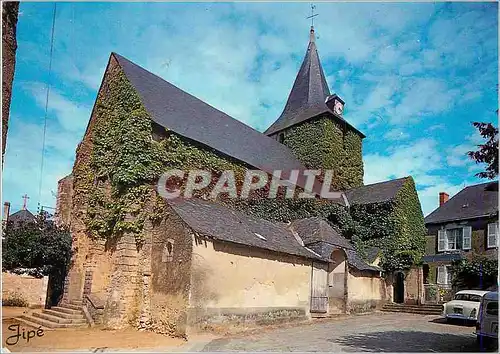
column 468, row 297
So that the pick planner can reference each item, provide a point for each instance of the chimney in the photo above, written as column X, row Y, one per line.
column 443, row 198
column 6, row 211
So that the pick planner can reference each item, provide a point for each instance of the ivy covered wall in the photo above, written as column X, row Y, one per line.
column 396, row 226
column 325, row 144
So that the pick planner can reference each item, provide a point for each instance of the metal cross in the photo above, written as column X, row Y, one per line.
column 313, row 15
column 25, row 197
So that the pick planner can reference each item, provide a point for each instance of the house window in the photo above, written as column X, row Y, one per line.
column 454, row 239
column 493, row 235
column 444, row 275
column 281, row 137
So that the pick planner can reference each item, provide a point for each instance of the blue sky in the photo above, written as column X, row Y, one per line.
column 413, row 75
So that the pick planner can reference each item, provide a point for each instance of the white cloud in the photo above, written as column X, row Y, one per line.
column 72, row 116
column 396, row 134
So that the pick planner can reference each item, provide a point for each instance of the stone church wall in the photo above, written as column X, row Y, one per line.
column 233, row 285
column 171, row 256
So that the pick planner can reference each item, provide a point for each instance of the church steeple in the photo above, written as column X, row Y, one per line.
column 312, row 125
column 309, row 91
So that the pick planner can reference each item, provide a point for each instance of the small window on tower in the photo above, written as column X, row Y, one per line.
column 168, row 251
column 281, row 138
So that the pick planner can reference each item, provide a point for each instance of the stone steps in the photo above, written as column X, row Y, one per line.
column 62, row 314
column 64, row 309
column 430, row 309
column 72, row 306
column 25, row 320
column 67, row 315
column 51, row 318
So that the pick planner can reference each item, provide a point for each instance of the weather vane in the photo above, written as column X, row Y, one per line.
column 313, row 15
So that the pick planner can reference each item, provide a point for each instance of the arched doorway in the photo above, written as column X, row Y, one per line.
column 399, row 287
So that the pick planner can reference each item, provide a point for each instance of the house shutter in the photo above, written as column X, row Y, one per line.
column 441, row 240
column 441, row 275
column 467, row 239
column 492, row 235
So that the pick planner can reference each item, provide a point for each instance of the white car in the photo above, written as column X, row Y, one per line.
column 464, row 306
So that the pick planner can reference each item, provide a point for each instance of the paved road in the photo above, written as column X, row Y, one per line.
column 377, row 332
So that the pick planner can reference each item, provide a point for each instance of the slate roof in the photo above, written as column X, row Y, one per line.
column 221, row 223
column 22, row 216
column 357, row 262
column 442, row 257
column 308, row 95
column 375, row 193
column 372, row 253
column 192, row 118
column 312, row 230
column 480, row 200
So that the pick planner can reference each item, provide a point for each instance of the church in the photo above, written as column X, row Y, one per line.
column 185, row 265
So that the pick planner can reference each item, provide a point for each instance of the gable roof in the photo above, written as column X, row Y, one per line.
column 480, row 200
column 312, row 230
column 308, row 95
column 221, row 223
column 192, row 118
column 22, row 215
column 375, row 193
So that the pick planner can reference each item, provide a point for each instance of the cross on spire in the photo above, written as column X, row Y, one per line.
column 25, row 198
column 313, row 15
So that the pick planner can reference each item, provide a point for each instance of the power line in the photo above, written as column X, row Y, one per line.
column 47, row 102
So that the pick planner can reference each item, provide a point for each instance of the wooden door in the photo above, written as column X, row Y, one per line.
column 319, row 288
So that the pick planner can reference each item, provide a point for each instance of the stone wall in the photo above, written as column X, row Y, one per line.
column 31, row 290
column 234, row 285
column 366, row 291
column 414, row 286
column 10, row 12
column 169, row 284
column 64, row 203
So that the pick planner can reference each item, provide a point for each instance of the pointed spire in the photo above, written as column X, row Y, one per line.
column 309, row 91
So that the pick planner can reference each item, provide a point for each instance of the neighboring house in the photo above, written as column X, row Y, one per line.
column 463, row 226
column 20, row 217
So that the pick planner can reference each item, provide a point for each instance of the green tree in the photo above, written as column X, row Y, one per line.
column 39, row 248
column 477, row 273
column 488, row 152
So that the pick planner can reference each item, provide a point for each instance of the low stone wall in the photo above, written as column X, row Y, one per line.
column 232, row 319
column 366, row 291
column 23, row 289
column 94, row 303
